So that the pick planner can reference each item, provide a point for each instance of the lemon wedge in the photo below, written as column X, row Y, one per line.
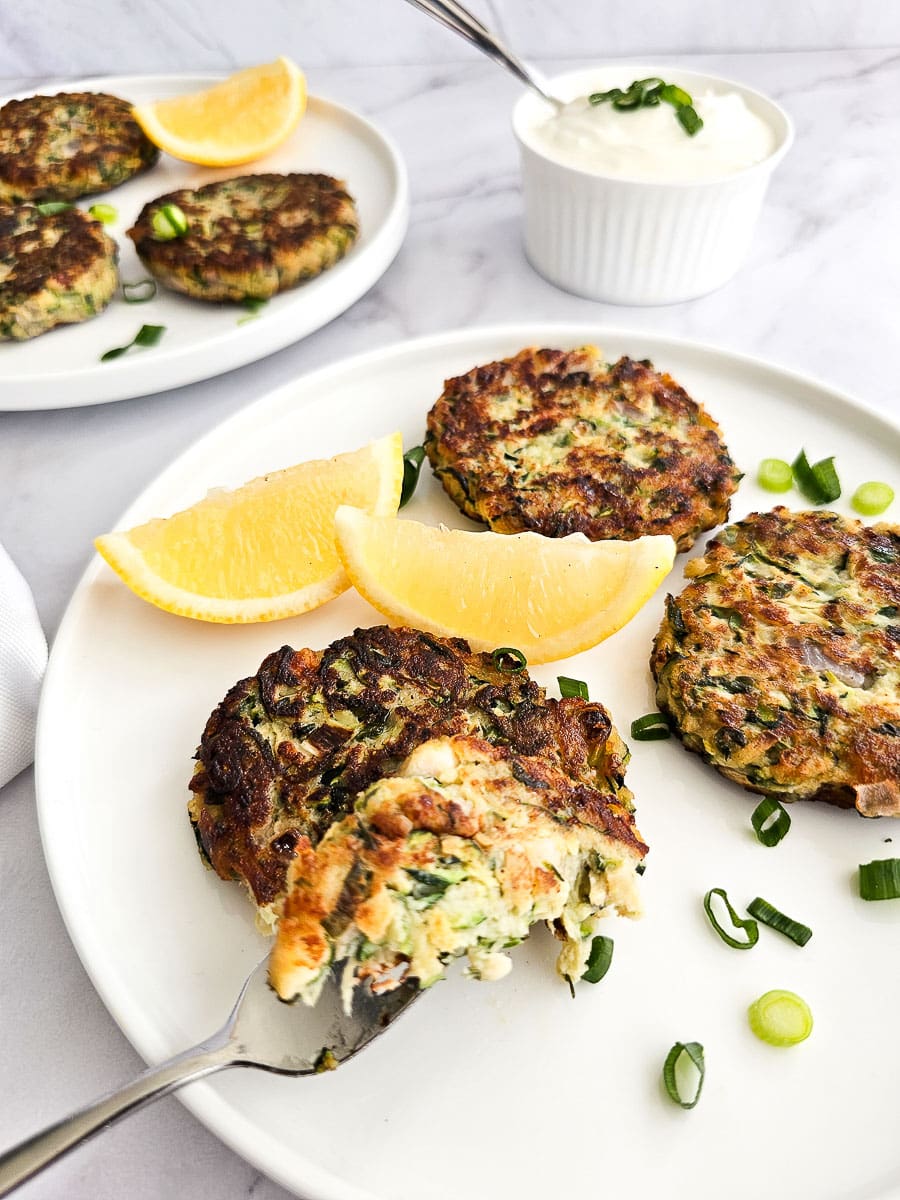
column 243, row 118
column 262, row 551
column 548, row 597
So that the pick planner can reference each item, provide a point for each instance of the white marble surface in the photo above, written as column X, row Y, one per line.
column 56, row 37
column 818, row 293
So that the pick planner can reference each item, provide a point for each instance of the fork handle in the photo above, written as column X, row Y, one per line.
column 39, row 1151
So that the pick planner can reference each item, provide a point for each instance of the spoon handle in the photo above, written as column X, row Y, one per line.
column 39, row 1151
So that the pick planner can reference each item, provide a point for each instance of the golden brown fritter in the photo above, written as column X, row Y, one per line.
column 561, row 442
column 779, row 663
column 460, row 852
column 55, row 269
column 70, row 145
column 249, row 237
column 287, row 751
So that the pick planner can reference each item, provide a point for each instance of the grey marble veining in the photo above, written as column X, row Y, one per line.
column 818, row 293
column 56, row 37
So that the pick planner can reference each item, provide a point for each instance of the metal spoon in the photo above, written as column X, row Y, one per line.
column 261, row 1032
column 453, row 16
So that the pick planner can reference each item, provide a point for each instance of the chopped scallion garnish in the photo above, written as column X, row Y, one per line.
column 647, row 93
column 412, row 466
column 769, row 915
column 104, row 213
column 872, row 498
column 775, row 475
column 572, row 688
column 168, row 222
column 654, row 727
column 599, row 959
column 818, row 483
column 139, row 292
column 254, row 305
column 880, row 880
column 51, row 207
column 679, row 1061
column 147, row 335
column 780, row 1018
column 770, row 821
column 750, row 926
column 508, row 658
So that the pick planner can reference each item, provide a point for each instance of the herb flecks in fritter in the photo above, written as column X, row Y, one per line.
column 70, row 145
column 55, row 269
column 560, row 442
column 288, row 750
column 248, row 237
column 780, row 661
column 461, row 852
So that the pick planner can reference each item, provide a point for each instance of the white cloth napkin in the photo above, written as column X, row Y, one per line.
column 23, row 657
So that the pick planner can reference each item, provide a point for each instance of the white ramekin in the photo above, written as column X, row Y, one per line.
column 631, row 241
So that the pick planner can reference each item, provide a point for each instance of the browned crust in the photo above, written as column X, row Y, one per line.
column 286, row 752
column 793, row 688
column 69, row 145
column 251, row 236
column 560, row 442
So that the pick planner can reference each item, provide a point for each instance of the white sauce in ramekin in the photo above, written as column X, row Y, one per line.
column 650, row 143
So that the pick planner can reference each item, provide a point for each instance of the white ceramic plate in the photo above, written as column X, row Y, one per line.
column 62, row 369
column 511, row 1089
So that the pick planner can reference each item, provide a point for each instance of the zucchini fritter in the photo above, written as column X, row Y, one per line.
column 561, row 442
column 779, row 663
column 55, row 269
column 287, row 751
column 249, row 237
column 461, row 852
column 70, row 145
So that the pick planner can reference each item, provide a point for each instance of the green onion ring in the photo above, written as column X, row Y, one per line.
column 780, row 1018
column 508, row 658
column 139, row 292
column 775, row 475
column 880, row 879
column 51, row 207
column 654, row 727
column 147, row 335
column 694, row 1052
column 819, row 483
column 770, row 915
column 871, row 499
column 769, row 831
column 412, row 465
column 572, row 688
column 599, row 959
column 168, row 223
column 738, row 922
column 104, row 213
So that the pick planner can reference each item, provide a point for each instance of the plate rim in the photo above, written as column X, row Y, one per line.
column 213, row 1110
column 124, row 380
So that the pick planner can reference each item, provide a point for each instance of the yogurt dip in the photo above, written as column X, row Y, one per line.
column 649, row 144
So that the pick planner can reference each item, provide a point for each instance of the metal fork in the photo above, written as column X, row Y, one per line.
column 261, row 1032
column 453, row 16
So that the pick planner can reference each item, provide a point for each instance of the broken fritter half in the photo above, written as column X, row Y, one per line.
column 460, row 852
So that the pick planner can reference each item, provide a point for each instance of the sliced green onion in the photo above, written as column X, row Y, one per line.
column 572, row 688
column 168, row 222
column 769, row 915
column 872, row 498
column 689, row 119
column 139, row 292
column 673, row 94
column 412, row 466
column 880, row 880
column 654, row 727
column 508, row 658
column 253, row 305
column 780, row 1018
column 750, row 926
column 599, row 959
column 51, row 207
column 104, row 213
column 775, row 475
column 818, row 483
column 647, row 93
column 677, row 1060
column 770, row 821
column 147, row 335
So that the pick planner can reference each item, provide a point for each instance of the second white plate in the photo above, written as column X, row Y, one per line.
column 62, row 369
